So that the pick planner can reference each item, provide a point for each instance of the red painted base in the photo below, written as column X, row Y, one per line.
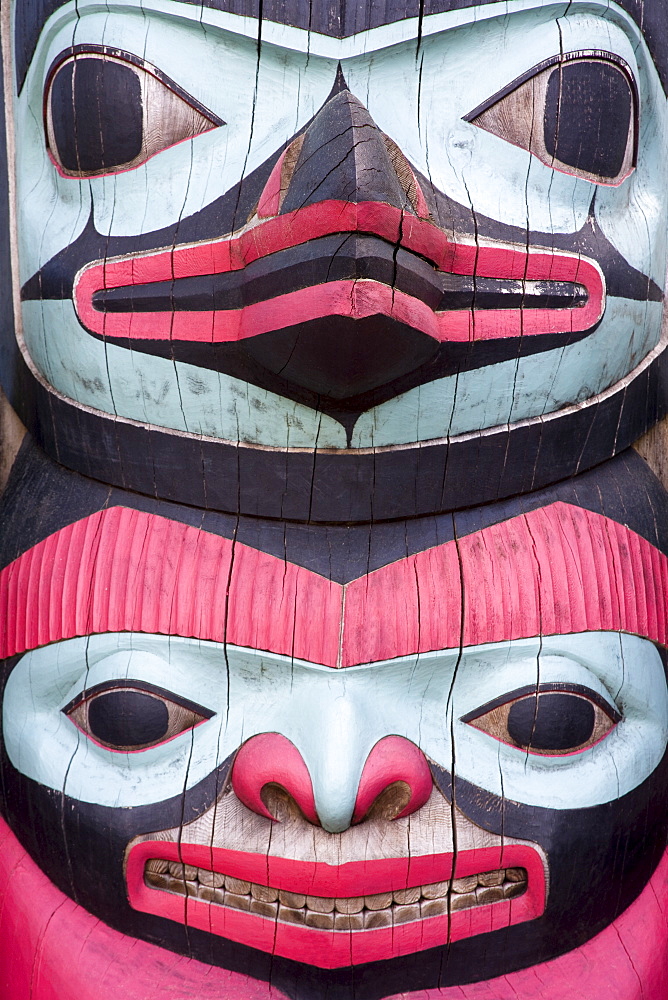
column 53, row 949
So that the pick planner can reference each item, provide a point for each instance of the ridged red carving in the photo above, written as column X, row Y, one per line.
column 555, row 570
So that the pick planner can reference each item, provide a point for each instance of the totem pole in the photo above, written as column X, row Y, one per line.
column 334, row 582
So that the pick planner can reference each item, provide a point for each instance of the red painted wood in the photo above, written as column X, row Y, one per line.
column 334, row 951
column 340, row 298
column 555, row 570
column 38, row 925
column 394, row 759
column 270, row 199
column 270, row 758
column 53, row 949
column 352, row 878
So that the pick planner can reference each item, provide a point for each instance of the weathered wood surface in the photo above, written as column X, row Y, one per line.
column 231, row 210
column 653, row 447
column 12, row 432
column 333, row 594
column 356, row 667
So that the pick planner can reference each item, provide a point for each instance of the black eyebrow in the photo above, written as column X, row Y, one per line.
column 127, row 683
column 335, row 18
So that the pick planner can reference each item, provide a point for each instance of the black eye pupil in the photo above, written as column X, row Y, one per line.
column 588, row 111
column 553, row 721
column 128, row 718
column 96, row 115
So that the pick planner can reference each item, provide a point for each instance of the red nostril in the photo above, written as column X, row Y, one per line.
column 271, row 759
column 393, row 759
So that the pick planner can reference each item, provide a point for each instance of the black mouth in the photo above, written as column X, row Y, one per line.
column 284, row 354
column 341, row 365
column 336, row 258
column 274, row 360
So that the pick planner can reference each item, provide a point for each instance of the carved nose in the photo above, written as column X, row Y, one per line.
column 394, row 764
column 342, row 156
column 395, row 774
column 347, row 344
column 271, row 759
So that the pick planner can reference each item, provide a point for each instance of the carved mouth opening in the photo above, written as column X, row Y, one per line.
column 345, row 913
column 342, row 257
column 341, row 306
column 333, row 913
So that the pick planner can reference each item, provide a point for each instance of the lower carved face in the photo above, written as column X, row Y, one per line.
column 480, row 809
column 331, row 765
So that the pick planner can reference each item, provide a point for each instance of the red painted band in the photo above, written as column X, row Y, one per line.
column 39, row 924
column 356, row 299
column 557, row 570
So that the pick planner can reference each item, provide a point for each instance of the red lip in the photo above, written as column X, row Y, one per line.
column 350, row 298
column 329, row 949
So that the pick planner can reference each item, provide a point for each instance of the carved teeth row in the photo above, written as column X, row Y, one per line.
column 341, row 913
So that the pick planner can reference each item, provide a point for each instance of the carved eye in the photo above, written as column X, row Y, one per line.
column 106, row 111
column 130, row 715
column 578, row 115
column 554, row 720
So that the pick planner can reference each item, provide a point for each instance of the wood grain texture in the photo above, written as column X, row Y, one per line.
column 653, row 446
column 12, row 433
column 335, row 610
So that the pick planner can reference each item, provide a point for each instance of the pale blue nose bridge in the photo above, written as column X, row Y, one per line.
column 335, row 721
column 271, row 759
column 335, row 752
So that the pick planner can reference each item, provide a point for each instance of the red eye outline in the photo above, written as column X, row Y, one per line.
column 496, row 712
column 183, row 715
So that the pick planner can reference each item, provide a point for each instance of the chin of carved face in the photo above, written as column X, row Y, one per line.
column 256, row 817
column 384, row 888
column 336, row 241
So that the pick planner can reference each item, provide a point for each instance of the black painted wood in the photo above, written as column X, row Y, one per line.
column 42, row 497
column 346, row 487
column 96, row 114
column 586, row 99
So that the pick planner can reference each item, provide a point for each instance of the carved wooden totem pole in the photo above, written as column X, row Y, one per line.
column 334, row 590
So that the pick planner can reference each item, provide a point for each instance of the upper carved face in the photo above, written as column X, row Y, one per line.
column 311, row 241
